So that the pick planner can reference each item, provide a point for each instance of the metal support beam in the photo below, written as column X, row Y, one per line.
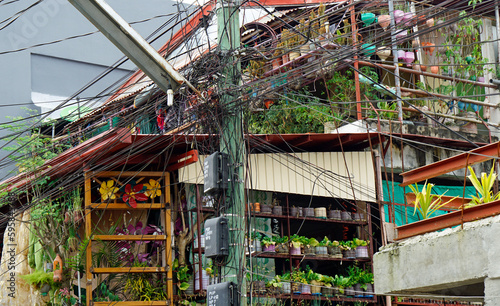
column 456, row 203
column 451, row 164
column 448, row 220
column 125, row 38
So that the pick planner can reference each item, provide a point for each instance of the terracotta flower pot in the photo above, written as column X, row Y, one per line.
column 255, row 207
column 58, row 269
column 435, row 69
column 384, row 21
column 428, row 47
column 276, row 63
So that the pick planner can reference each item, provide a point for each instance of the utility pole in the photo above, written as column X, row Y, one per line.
column 232, row 141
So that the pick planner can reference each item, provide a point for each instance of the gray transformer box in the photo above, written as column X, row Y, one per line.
column 216, row 237
column 215, row 173
column 223, row 294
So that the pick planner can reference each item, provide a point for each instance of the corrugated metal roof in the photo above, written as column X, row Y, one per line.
column 312, row 173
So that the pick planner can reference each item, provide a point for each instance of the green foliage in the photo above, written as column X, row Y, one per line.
column 103, row 294
column 38, row 278
column 183, row 275
column 426, row 202
column 268, row 240
column 359, row 242
column 296, row 113
column 144, row 286
column 483, row 187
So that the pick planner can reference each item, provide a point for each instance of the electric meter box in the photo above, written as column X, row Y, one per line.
column 215, row 173
column 222, row 294
column 216, row 237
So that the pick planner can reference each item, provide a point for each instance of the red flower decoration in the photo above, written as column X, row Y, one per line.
column 132, row 195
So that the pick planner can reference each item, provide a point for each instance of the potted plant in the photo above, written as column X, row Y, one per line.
column 361, row 248
column 328, row 290
column 309, row 245
column 341, row 283
column 346, row 216
column 320, row 212
column 277, row 208
column 297, row 278
column 296, row 211
column 358, row 216
column 366, row 280
column 334, row 250
column 483, row 187
column 334, row 214
column 308, row 211
column 348, row 249
column 269, row 244
column 322, row 248
column 314, row 280
column 425, row 202
column 285, row 280
column 296, row 244
column 282, row 245
column 274, row 286
column 266, row 209
column 255, row 242
column 255, row 207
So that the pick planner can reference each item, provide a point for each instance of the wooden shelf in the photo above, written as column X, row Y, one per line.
column 129, row 270
column 130, row 237
column 311, row 257
column 124, row 206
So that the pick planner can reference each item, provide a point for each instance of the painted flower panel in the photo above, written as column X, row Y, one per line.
column 134, row 194
column 108, row 190
column 153, row 189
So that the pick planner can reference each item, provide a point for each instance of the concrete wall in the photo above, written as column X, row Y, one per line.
column 452, row 262
column 55, row 71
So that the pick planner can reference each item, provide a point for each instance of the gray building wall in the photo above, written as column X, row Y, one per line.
column 45, row 75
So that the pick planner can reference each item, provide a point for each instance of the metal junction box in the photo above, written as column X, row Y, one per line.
column 222, row 294
column 216, row 237
column 216, row 173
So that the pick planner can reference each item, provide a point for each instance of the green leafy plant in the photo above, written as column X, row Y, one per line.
column 483, row 187
column 183, row 277
column 360, row 242
column 144, row 287
column 268, row 240
column 312, row 242
column 426, row 202
column 38, row 278
column 299, row 112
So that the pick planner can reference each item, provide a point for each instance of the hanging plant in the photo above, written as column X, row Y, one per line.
column 108, row 190
column 153, row 189
column 134, row 194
